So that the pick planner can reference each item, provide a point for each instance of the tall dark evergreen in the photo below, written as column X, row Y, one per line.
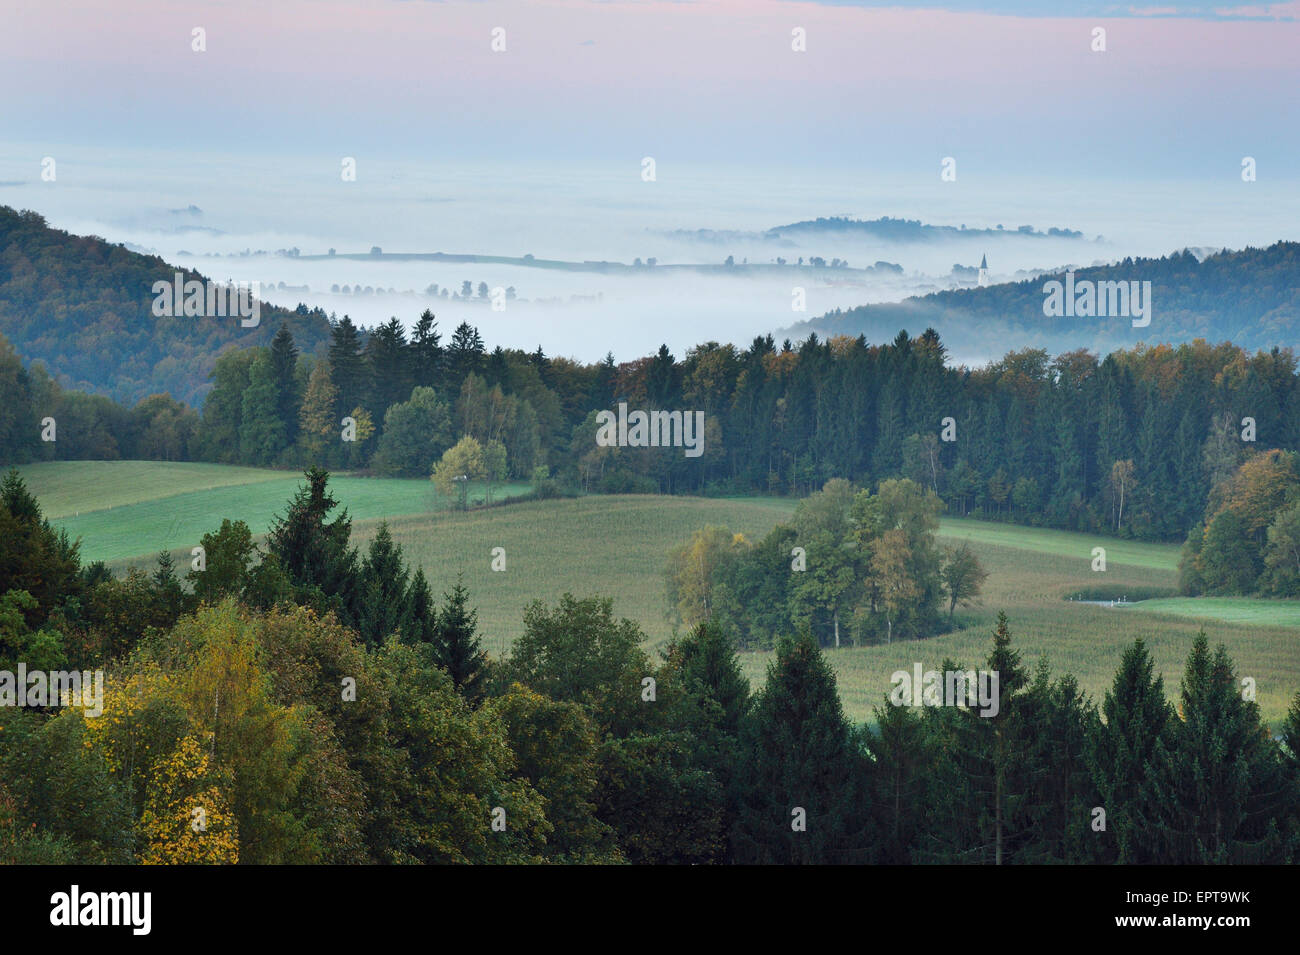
column 1122, row 753
column 901, row 780
column 427, row 354
column 348, row 368
column 383, row 588
column 419, row 614
column 314, row 552
column 465, row 355
column 456, row 646
column 982, row 813
column 806, row 793
column 284, row 365
column 1220, row 788
column 389, row 372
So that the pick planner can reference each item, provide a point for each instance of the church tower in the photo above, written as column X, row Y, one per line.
column 984, row 271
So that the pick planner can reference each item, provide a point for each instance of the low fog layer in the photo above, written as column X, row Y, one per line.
column 267, row 221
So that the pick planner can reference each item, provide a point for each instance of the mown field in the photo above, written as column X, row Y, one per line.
column 617, row 546
column 127, row 511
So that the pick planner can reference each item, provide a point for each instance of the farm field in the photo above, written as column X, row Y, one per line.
column 126, row 511
column 1280, row 613
column 617, row 547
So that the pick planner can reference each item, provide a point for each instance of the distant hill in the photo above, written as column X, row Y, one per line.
column 884, row 229
column 908, row 230
column 1250, row 297
column 83, row 306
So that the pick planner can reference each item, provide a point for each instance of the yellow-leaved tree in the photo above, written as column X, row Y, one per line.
column 187, row 819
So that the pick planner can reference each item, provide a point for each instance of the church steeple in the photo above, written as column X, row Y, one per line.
column 984, row 271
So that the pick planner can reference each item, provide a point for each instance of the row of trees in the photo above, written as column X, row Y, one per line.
column 850, row 564
column 1131, row 444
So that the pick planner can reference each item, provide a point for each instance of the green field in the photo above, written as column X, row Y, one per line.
column 125, row 510
column 617, row 546
column 1261, row 613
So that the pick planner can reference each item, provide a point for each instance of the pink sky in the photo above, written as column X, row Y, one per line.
column 580, row 77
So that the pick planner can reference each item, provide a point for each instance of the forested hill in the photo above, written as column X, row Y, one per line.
column 83, row 305
column 1250, row 297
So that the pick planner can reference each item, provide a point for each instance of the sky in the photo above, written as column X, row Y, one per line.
column 1181, row 90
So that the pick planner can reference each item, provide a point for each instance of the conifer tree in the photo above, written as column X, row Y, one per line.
column 900, row 780
column 419, row 614
column 347, row 368
column 315, row 554
column 284, row 363
column 806, row 798
column 981, row 812
column 427, row 353
column 383, row 588
column 1137, row 716
column 456, row 645
column 261, row 432
column 1220, row 788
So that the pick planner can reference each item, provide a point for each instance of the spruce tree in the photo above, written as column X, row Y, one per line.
column 1220, row 787
column 805, row 797
column 284, row 364
column 1137, row 716
column 426, row 363
column 901, row 779
column 456, row 643
column 169, row 598
column 982, row 813
column 383, row 588
column 261, row 432
column 347, row 368
column 315, row 554
column 419, row 614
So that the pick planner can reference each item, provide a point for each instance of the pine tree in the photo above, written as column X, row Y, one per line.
column 426, row 364
column 315, row 554
column 383, row 588
column 168, row 595
column 806, row 797
column 456, row 645
column 284, row 363
column 901, row 779
column 419, row 614
column 1121, row 751
column 1220, row 788
column 347, row 368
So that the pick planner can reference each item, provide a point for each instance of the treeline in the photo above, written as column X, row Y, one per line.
column 1131, row 444
column 234, row 732
column 850, row 566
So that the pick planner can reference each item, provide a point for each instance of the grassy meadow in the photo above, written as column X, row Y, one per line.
column 617, row 546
